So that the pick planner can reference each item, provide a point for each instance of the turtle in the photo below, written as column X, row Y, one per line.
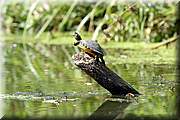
column 90, row 47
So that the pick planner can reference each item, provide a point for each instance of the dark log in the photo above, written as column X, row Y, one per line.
column 103, row 75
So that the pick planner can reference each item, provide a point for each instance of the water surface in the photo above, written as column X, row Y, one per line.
column 41, row 81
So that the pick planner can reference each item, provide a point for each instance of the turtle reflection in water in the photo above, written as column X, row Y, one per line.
column 91, row 47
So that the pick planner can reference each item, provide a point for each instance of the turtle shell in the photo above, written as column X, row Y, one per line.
column 93, row 45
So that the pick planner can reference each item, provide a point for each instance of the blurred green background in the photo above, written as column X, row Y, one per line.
column 133, row 21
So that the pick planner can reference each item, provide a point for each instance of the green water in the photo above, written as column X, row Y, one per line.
column 41, row 81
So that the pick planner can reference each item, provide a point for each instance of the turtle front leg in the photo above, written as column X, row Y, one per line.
column 76, row 43
column 102, row 60
column 97, row 58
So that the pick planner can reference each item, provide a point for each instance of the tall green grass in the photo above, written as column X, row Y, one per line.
column 148, row 22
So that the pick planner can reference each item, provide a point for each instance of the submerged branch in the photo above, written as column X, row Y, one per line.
column 167, row 42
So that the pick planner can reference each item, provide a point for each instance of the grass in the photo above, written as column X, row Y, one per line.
column 150, row 22
column 117, row 52
column 144, row 56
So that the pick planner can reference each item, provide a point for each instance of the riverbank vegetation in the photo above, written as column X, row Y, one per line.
column 113, row 21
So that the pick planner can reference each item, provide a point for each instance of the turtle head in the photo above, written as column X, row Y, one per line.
column 77, row 36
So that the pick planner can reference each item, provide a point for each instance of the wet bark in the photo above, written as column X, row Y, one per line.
column 103, row 75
